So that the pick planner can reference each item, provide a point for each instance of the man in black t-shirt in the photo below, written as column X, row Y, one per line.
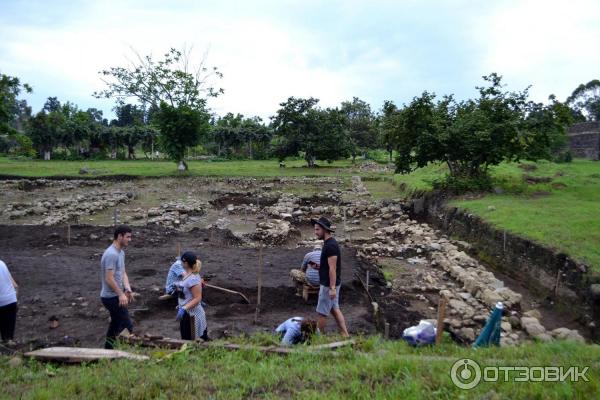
column 329, row 277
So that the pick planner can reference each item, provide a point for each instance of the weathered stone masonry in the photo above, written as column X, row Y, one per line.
column 584, row 140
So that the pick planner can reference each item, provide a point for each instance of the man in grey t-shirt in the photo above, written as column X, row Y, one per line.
column 112, row 259
column 116, row 291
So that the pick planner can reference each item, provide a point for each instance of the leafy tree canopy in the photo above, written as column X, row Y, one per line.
column 181, row 127
column 360, row 124
column 171, row 80
column 318, row 133
column 10, row 105
column 585, row 99
column 471, row 135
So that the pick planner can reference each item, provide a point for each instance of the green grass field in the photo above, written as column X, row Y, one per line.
column 563, row 211
column 147, row 168
column 375, row 369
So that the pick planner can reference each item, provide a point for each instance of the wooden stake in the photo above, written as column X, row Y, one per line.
column 346, row 231
column 386, row 330
column 258, row 298
column 440, row 319
column 368, row 280
column 558, row 273
column 178, row 250
column 69, row 234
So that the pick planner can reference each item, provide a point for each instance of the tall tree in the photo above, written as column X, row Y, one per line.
column 471, row 135
column 46, row 132
column 171, row 86
column 129, row 115
column 10, row 106
column 51, row 105
column 181, row 127
column 360, row 123
column 302, row 127
column 389, row 122
column 585, row 99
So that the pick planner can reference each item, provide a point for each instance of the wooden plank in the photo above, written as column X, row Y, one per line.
column 155, row 341
column 334, row 345
column 177, row 343
column 80, row 354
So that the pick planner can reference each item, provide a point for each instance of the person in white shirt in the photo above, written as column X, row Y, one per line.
column 296, row 330
column 8, row 304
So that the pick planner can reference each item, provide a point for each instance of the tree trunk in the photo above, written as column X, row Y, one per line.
column 47, row 155
column 182, row 165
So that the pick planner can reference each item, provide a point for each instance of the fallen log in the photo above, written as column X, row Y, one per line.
column 75, row 355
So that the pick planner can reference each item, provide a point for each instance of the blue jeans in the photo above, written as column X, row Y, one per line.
column 119, row 320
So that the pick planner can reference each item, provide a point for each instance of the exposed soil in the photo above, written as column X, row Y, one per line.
column 61, row 280
column 225, row 221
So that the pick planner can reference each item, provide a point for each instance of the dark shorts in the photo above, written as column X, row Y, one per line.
column 326, row 303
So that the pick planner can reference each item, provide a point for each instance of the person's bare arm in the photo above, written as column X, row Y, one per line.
column 197, row 293
column 14, row 283
column 332, row 261
column 110, row 279
column 127, row 286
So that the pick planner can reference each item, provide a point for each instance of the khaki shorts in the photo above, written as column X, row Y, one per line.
column 298, row 276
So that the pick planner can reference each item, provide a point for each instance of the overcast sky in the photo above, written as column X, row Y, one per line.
column 332, row 50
